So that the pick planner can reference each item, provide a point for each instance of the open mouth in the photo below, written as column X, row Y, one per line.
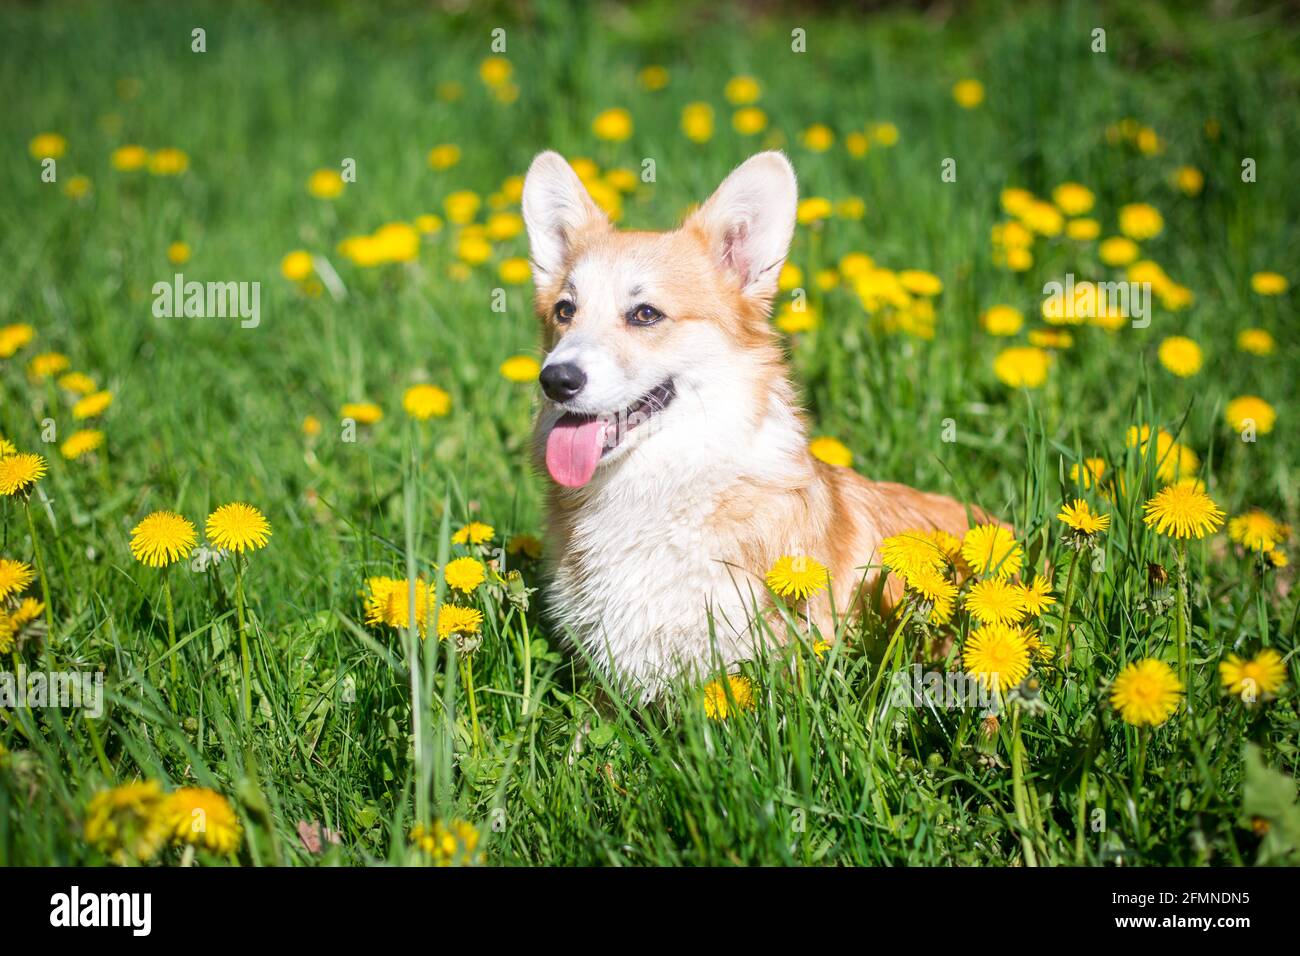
column 578, row 442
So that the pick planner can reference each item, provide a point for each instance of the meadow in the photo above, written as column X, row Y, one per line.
column 268, row 697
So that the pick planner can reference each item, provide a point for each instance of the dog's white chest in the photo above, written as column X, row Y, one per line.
column 637, row 586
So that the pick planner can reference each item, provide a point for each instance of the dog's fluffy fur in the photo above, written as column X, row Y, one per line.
column 657, row 559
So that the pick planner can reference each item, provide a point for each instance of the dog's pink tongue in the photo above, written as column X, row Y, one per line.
column 573, row 450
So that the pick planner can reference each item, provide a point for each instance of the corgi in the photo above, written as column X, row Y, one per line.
column 672, row 442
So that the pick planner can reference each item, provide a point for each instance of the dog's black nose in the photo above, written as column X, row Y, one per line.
column 562, row 381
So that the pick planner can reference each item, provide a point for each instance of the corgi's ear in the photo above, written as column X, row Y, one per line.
column 749, row 221
column 556, row 208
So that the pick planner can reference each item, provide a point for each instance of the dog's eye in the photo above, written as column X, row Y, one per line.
column 564, row 311
column 644, row 315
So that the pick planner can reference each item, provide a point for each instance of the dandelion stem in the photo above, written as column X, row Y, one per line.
column 171, row 636
column 1064, row 640
column 467, row 675
column 243, row 638
column 1180, row 618
column 1019, row 791
column 40, row 566
column 884, row 666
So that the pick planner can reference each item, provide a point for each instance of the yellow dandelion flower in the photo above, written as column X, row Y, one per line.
column 476, row 532
column 201, row 817
column 1022, row 366
column 697, row 122
column 1146, row 693
column 716, row 704
column 47, row 364
column 81, row 443
column 996, row 655
column 14, row 576
column 238, row 527
column 1118, row 251
column 29, row 610
column 1038, row 595
column 911, row 551
column 1073, row 199
column 502, row 226
column 1173, row 459
column 325, row 184
column 297, row 265
column 423, row 402
column 1182, row 511
column 93, row 405
column 819, row 137
column 936, row 590
column 129, row 158
column 996, row 601
column 162, row 538
column 1140, row 221
column 527, row 545
column 453, row 619
column 883, row 134
column 1181, row 356
column 123, row 822
column 749, row 121
column 388, row 602
column 992, row 549
column 1250, row 411
column 814, row 209
column 454, row 843
column 462, row 206
column 612, row 125
column 47, row 146
column 920, row 282
column 1256, row 341
column 168, row 161
column 797, row 576
column 14, row 337
column 495, row 71
column 1268, row 283
column 520, row 368
column 1263, row 675
column 1083, row 230
column 968, row 93
column 444, row 156
column 464, row 574
column 363, row 413
column 7, row 447
column 742, row 90
column 178, row 253
column 1002, row 320
column 831, row 450
column 1092, row 471
column 77, row 382
column 1079, row 517
column 1189, row 180
column 1256, row 530
column 19, row 472
column 653, row 78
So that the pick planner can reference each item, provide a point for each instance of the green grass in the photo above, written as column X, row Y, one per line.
column 362, row 730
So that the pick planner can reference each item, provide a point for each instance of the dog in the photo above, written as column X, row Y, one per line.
column 674, row 448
